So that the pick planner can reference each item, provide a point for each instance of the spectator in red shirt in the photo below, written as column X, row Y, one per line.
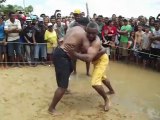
column 108, row 34
column 108, row 31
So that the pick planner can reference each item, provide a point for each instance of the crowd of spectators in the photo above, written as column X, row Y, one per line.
column 27, row 39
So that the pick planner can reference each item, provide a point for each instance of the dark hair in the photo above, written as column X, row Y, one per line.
column 100, row 16
column 131, row 33
column 140, row 24
column 53, row 17
column 10, row 13
column 109, row 22
column 146, row 27
column 125, row 20
column 93, row 25
column 156, row 21
column 83, row 21
column 43, row 15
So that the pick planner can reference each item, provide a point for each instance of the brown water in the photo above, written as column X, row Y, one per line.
column 27, row 92
column 137, row 89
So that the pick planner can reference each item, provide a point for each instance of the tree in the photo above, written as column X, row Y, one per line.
column 29, row 9
column 1, row 1
column 8, row 8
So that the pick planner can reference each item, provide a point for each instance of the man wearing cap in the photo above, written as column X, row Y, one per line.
column 77, row 15
column 51, row 38
column 29, row 46
column 38, row 40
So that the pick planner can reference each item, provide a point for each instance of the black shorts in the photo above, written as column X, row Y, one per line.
column 63, row 67
column 145, row 54
column 155, row 53
column 2, row 49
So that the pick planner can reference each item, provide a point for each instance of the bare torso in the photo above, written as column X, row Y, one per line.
column 138, row 36
column 76, row 37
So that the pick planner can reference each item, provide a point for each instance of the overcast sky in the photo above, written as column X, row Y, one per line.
column 126, row 8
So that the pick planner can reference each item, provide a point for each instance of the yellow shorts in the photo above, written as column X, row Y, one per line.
column 50, row 50
column 99, row 70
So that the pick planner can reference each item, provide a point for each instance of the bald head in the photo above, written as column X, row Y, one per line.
column 92, row 31
column 93, row 25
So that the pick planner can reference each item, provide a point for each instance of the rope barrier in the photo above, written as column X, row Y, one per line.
column 150, row 54
column 137, row 51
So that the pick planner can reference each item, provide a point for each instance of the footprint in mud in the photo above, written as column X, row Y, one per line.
column 6, row 75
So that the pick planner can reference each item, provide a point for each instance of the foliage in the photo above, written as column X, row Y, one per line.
column 1, row 1
column 8, row 8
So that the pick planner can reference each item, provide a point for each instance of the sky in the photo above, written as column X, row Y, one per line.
column 126, row 8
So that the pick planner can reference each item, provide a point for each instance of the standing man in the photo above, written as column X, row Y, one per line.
column 12, row 29
column 124, row 32
column 75, row 37
column 100, row 60
column 77, row 15
column 60, row 28
column 155, row 45
column 40, row 43
column 2, row 44
column 28, row 36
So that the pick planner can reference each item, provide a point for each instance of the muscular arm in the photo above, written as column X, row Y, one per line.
column 100, row 53
column 91, row 53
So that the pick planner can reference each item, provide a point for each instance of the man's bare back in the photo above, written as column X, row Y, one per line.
column 76, row 38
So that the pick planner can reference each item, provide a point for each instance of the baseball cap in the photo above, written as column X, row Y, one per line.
column 28, row 19
column 40, row 19
column 77, row 11
column 50, row 24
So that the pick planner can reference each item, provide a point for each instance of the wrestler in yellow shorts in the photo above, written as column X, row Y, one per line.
column 99, row 71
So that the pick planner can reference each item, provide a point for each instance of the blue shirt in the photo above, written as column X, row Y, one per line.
column 2, row 34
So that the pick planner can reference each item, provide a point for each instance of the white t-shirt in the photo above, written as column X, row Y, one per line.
column 9, row 26
column 156, row 43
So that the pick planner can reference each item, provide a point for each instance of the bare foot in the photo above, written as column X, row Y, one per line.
column 74, row 73
column 110, row 92
column 68, row 92
column 6, row 67
column 107, row 105
column 88, row 74
column 54, row 112
column 13, row 65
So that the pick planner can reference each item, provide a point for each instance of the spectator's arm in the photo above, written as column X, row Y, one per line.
column 6, row 28
column 122, row 32
column 149, row 45
column 34, row 40
column 135, row 40
column 26, row 39
column 18, row 29
column 155, row 38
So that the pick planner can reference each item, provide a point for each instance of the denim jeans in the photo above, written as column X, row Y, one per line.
column 29, row 53
column 14, row 48
column 42, row 49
